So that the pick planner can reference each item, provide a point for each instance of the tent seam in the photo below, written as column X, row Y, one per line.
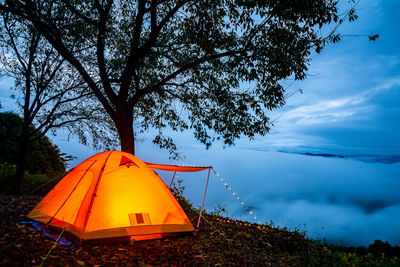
column 94, row 194
column 65, row 201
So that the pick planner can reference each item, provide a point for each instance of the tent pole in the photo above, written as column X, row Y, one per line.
column 80, row 179
column 204, row 197
column 94, row 194
column 172, row 180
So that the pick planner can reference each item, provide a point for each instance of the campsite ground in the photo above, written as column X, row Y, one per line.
column 222, row 242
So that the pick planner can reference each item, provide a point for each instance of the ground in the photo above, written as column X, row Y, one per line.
column 223, row 242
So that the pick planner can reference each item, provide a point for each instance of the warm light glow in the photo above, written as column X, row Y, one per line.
column 101, row 198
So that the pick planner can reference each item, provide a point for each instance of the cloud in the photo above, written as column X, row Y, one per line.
column 359, row 123
column 385, row 85
column 350, row 107
column 343, row 225
column 329, row 111
column 338, row 109
column 346, row 201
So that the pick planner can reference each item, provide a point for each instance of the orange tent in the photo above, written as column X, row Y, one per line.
column 114, row 195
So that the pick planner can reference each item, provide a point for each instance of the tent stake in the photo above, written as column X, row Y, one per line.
column 204, row 197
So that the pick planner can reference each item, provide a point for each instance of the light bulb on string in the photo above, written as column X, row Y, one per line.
column 235, row 195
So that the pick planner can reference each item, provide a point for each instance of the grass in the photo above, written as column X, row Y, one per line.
column 220, row 241
column 38, row 184
column 248, row 245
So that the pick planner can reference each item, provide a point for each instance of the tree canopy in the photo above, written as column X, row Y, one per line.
column 48, row 91
column 214, row 67
column 43, row 158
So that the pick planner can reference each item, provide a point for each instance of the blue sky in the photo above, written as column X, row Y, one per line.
column 350, row 107
column 352, row 99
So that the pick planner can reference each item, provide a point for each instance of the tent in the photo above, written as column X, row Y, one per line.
column 114, row 195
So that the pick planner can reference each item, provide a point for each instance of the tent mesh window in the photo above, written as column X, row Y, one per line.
column 139, row 219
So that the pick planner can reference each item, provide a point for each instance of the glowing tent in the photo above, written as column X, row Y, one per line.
column 114, row 195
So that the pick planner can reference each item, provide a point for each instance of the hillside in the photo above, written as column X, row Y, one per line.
column 226, row 242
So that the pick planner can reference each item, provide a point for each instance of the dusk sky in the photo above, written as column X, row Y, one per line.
column 349, row 110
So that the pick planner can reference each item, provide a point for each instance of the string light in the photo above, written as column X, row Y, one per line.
column 260, row 227
column 228, row 188
column 235, row 195
column 177, row 179
column 196, row 166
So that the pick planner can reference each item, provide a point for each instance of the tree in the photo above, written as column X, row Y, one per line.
column 43, row 158
column 212, row 66
column 47, row 89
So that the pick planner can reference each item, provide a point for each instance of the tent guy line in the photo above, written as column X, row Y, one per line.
column 234, row 194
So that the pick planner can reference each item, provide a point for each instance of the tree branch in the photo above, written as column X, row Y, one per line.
column 28, row 73
column 155, row 30
column 44, row 85
column 127, row 74
column 100, row 51
column 51, row 125
column 144, row 50
column 80, row 15
column 13, row 11
column 166, row 56
column 22, row 62
column 58, row 44
column 185, row 67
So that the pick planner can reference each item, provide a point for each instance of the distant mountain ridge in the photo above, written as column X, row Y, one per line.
column 385, row 159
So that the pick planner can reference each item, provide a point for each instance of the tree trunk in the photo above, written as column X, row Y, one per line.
column 20, row 168
column 124, row 125
column 127, row 140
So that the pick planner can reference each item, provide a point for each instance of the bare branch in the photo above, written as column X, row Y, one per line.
column 40, row 134
column 44, row 85
column 22, row 62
